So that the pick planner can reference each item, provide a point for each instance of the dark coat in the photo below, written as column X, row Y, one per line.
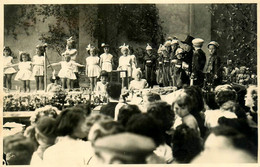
column 198, row 63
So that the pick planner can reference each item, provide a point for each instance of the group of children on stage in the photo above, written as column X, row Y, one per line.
column 175, row 64
column 28, row 69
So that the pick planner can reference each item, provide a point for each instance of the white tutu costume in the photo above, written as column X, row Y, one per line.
column 38, row 68
column 66, row 70
column 106, row 62
column 125, row 63
column 73, row 55
column 24, row 72
column 7, row 62
column 92, row 68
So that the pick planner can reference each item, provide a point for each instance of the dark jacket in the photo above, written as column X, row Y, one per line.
column 109, row 109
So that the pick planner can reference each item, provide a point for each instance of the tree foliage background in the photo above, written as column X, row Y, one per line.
column 234, row 26
column 138, row 23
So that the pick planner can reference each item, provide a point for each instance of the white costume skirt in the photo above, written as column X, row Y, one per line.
column 93, row 71
column 66, row 73
column 107, row 66
column 24, row 75
column 38, row 70
column 10, row 70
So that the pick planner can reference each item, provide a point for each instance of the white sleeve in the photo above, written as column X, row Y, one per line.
column 118, row 106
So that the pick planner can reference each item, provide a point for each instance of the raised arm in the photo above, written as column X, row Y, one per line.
column 77, row 64
column 12, row 65
column 54, row 64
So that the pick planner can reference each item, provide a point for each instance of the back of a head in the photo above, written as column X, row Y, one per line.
column 152, row 97
column 86, row 107
column 224, row 93
column 163, row 113
column 48, row 110
column 146, row 125
column 114, row 90
column 126, row 112
column 242, row 126
column 68, row 120
column 228, row 144
column 104, row 128
column 46, row 128
column 186, row 144
column 126, row 148
column 241, row 92
column 238, row 139
column 95, row 118
column 197, row 98
column 18, row 149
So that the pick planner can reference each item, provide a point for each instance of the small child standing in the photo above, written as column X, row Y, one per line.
column 149, row 62
column 66, row 72
column 8, row 71
column 179, row 75
column 106, row 59
column 24, row 74
column 92, row 66
column 134, row 61
column 125, row 63
column 182, row 106
column 72, row 51
column 38, row 63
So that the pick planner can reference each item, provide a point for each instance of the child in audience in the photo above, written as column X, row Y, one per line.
column 182, row 107
column 45, row 136
column 18, row 149
column 186, row 144
column 69, row 150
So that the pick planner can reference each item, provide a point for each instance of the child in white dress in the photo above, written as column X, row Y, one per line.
column 24, row 74
column 92, row 66
column 125, row 63
column 72, row 51
column 8, row 71
column 66, row 72
column 134, row 61
column 138, row 83
column 106, row 59
column 100, row 89
column 38, row 67
column 182, row 107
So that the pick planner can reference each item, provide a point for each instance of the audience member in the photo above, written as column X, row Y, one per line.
column 18, row 149
column 123, row 148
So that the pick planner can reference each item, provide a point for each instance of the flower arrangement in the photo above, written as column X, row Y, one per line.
column 60, row 99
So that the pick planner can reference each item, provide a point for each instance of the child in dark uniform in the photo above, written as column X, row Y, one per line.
column 149, row 62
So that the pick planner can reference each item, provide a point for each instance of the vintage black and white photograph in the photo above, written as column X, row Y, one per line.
column 152, row 83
